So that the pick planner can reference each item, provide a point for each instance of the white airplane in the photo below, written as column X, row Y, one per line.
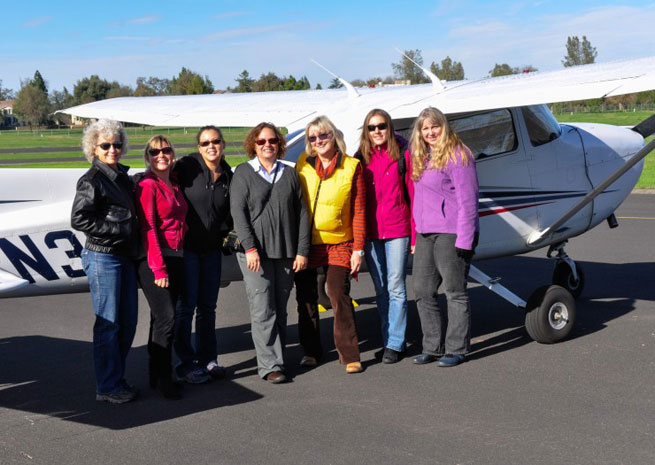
column 541, row 182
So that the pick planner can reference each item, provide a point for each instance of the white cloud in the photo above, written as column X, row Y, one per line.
column 36, row 22
column 231, row 14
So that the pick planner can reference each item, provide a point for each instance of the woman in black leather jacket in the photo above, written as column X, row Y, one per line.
column 105, row 210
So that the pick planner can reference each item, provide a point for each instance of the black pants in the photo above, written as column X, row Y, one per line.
column 162, row 301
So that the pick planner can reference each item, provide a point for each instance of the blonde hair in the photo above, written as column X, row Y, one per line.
column 103, row 127
column 160, row 141
column 323, row 123
column 365, row 138
column 443, row 153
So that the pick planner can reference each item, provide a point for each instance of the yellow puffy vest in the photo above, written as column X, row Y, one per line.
column 333, row 216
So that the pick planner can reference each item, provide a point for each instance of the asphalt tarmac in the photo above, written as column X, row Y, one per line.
column 587, row 400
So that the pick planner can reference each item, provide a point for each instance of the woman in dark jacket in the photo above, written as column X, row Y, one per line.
column 105, row 210
column 270, row 218
column 204, row 178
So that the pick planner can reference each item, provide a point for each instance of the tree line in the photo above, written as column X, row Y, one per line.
column 35, row 105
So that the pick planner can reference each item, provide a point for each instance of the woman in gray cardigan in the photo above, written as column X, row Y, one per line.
column 270, row 219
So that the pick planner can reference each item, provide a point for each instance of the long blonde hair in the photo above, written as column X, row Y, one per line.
column 365, row 138
column 324, row 124
column 446, row 145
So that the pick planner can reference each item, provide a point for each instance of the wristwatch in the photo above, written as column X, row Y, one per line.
column 359, row 252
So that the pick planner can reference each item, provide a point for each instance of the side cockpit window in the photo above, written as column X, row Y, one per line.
column 486, row 133
column 541, row 124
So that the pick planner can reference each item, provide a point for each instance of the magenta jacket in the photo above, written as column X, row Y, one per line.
column 388, row 216
column 447, row 202
column 161, row 214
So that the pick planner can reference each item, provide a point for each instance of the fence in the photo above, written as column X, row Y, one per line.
column 558, row 108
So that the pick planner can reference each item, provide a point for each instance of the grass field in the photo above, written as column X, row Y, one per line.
column 139, row 135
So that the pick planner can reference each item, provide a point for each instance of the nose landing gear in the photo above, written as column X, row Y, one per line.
column 567, row 273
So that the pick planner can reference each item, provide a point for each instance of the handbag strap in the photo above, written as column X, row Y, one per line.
column 268, row 195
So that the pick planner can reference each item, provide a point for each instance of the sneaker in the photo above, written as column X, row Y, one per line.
column 196, row 376
column 308, row 361
column 216, row 371
column 129, row 388
column 119, row 396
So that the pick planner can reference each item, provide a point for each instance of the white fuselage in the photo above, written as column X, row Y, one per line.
column 524, row 187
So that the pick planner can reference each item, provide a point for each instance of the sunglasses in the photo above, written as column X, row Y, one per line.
column 206, row 143
column 164, row 150
column 373, row 127
column 272, row 141
column 324, row 136
column 107, row 145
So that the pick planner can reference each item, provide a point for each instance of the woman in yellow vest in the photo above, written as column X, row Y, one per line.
column 333, row 187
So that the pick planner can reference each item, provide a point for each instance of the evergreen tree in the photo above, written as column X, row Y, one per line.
column 407, row 70
column 449, row 70
column 579, row 52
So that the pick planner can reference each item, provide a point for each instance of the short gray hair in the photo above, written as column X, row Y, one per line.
column 107, row 128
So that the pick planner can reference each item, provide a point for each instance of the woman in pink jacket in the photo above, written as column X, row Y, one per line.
column 389, row 230
column 162, row 210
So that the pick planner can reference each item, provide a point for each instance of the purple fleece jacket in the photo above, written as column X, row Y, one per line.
column 447, row 201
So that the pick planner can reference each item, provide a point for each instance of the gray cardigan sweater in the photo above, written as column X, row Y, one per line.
column 281, row 226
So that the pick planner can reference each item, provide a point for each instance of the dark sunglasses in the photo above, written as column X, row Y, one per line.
column 373, row 127
column 323, row 136
column 206, row 143
column 272, row 141
column 107, row 145
column 164, row 150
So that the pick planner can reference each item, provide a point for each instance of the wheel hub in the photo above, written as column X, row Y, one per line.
column 558, row 316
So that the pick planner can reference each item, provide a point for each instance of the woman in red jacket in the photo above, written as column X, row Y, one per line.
column 389, row 230
column 162, row 211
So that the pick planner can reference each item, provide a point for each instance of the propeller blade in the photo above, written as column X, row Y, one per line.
column 646, row 127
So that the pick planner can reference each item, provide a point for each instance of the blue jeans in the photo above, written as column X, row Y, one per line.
column 112, row 281
column 202, row 273
column 387, row 262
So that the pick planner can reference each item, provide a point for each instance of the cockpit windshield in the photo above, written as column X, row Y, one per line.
column 541, row 124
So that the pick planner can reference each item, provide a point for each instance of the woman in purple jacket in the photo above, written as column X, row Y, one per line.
column 445, row 212
column 389, row 188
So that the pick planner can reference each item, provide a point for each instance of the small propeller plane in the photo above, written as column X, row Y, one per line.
column 541, row 182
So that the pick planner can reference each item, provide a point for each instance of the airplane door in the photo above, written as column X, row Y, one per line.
column 557, row 169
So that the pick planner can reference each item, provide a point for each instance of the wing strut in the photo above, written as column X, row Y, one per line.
column 539, row 236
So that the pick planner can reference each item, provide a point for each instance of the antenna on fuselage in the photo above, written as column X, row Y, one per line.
column 352, row 92
column 436, row 82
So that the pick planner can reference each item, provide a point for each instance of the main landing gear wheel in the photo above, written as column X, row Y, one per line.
column 563, row 276
column 550, row 314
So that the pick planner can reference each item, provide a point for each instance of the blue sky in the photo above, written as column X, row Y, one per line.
column 121, row 40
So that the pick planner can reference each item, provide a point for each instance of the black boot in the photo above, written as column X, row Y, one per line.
column 161, row 373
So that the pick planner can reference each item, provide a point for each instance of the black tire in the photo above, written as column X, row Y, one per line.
column 562, row 276
column 550, row 314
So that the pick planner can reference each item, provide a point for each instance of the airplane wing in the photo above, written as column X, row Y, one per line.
column 293, row 109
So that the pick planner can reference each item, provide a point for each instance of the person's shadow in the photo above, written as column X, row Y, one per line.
column 54, row 377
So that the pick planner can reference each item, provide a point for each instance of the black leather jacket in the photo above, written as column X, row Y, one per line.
column 105, row 210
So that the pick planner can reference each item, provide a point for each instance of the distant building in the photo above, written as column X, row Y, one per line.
column 7, row 118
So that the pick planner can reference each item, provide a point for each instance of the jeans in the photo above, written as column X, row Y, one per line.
column 202, row 274
column 345, row 329
column 112, row 282
column 387, row 262
column 162, row 302
column 436, row 262
column 268, row 293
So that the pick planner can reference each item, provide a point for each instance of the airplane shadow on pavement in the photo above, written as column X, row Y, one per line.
column 499, row 326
